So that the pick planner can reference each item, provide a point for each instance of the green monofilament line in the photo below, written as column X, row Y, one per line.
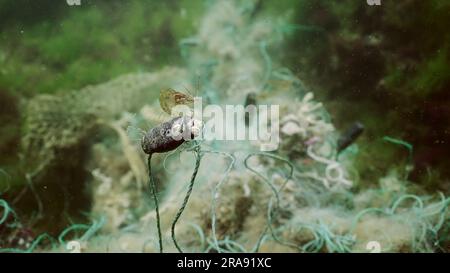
column 33, row 245
column 90, row 230
column 276, row 194
column 403, row 143
column 198, row 157
column 6, row 210
column 155, row 197
column 153, row 189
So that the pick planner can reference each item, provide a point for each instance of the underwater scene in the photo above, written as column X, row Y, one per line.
column 225, row 126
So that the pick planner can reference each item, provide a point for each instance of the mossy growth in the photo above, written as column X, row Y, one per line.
column 93, row 43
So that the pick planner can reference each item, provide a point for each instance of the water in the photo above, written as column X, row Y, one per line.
column 80, row 82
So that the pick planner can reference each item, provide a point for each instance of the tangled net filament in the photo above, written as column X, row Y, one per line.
column 334, row 173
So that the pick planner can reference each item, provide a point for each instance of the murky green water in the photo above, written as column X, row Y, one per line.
column 361, row 161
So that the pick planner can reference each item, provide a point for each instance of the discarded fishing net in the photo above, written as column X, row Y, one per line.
column 299, row 198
